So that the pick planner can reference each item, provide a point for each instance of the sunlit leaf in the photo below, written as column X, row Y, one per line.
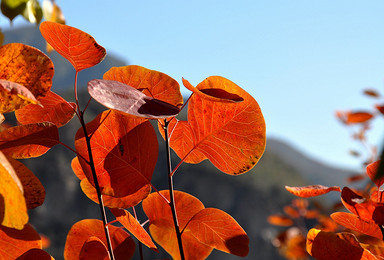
column 377, row 178
column 311, row 190
column 12, row 8
column 33, row 12
column 357, row 204
column 371, row 93
column 291, row 211
column 14, row 96
column 357, row 117
column 34, row 192
column 13, row 209
column 353, row 222
column 162, row 228
column 152, row 83
column 93, row 249
column 30, row 140
column 230, row 135
column 125, row 152
column 122, row 244
column 279, row 220
column 52, row 12
column 215, row 228
column 26, row 66
column 134, row 227
column 53, row 109
column 76, row 168
column 34, row 254
column 78, row 47
column 2, row 118
column 380, row 108
column 119, row 96
column 330, row 246
column 14, row 243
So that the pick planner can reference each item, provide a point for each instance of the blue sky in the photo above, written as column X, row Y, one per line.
column 301, row 60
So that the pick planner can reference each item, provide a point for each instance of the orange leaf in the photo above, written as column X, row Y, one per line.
column 94, row 249
column 30, row 140
column 115, row 202
column 162, row 228
column 291, row 212
column 34, row 192
column 54, row 109
column 215, row 228
column 26, row 66
column 279, row 220
column 371, row 93
column 124, row 149
column 376, row 177
column 358, row 117
column 330, row 246
column 122, row 244
column 76, row 167
column 311, row 191
column 357, row 204
column 14, row 96
column 78, row 47
column 13, row 209
column 353, row 222
column 230, row 135
column 134, row 227
column 152, row 83
column 35, row 253
column 14, row 243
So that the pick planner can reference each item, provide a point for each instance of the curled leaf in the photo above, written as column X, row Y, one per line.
column 14, row 96
column 311, row 190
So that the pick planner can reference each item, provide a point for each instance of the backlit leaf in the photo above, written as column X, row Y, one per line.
column 125, row 152
column 33, row 12
column 279, row 220
column 380, row 108
column 52, row 12
column 76, row 167
column 230, row 135
column 34, row 192
column 330, row 246
column 377, row 178
column 152, row 83
column 162, row 228
column 134, row 227
column 14, row 96
column 54, row 109
column 123, row 245
column 353, row 222
column 93, row 249
column 357, row 204
column 30, row 140
column 14, row 243
column 13, row 209
column 78, row 47
column 215, row 228
column 119, row 96
column 311, row 190
column 26, row 66
column 34, row 254
column 357, row 117
column 12, row 8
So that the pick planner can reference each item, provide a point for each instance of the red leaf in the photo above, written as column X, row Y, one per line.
column 152, row 83
column 30, row 140
column 134, row 227
column 376, row 177
column 34, row 254
column 358, row 117
column 94, row 249
column 124, row 149
column 371, row 93
column 311, row 191
column 353, row 222
column 230, row 135
column 123, row 245
column 380, row 108
column 215, row 228
column 279, row 220
column 357, row 204
column 78, row 47
column 54, row 109
column 119, row 96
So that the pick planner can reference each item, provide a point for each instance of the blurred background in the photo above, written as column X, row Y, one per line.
column 301, row 60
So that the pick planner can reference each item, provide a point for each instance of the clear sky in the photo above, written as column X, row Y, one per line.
column 301, row 60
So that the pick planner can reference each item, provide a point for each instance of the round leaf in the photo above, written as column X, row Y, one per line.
column 14, row 96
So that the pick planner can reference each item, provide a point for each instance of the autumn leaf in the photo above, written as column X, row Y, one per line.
column 353, row 222
column 356, row 117
column 377, row 178
column 93, row 249
column 279, row 220
column 14, row 96
column 230, row 135
column 215, row 228
column 30, row 140
column 311, row 190
column 125, row 152
column 162, row 228
column 134, row 227
column 26, row 66
column 380, row 108
column 123, row 245
column 330, row 246
column 14, row 243
column 357, row 204
column 35, row 253
column 13, row 209
column 152, row 83
column 372, row 93
column 78, row 47
column 13, row 8
column 119, row 96
column 53, row 109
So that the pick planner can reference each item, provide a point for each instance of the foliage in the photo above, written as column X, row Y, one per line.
column 116, row 152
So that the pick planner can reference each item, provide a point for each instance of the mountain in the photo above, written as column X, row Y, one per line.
column 250, row 198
